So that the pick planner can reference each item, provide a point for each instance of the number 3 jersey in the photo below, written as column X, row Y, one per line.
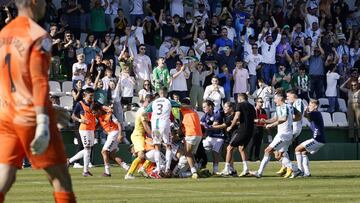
column 25, row 50
column 161, row 109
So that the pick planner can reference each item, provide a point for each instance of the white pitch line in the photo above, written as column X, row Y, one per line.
column 176, row 190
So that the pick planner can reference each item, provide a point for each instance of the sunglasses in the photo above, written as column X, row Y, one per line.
column 146, row 84
column 142, row 48
column 254, row 48
column 353, row 85
column 261, row 101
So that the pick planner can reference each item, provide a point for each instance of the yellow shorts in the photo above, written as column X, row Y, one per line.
column 138, row 142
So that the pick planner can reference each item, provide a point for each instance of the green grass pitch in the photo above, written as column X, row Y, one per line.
column 331, row 181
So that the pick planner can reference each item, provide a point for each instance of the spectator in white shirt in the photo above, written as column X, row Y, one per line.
column 314, row 32
column 136, row 10
column 253, row 61
column 142, row 67
column 240, row 76
column 147, row 90
column 106, row 79
column 231, row 30
column 214, row 93
column 332, row 78
column 127, row 87
column 268, row 51
column 79, row 69
column 179, row 75
column 355, row 52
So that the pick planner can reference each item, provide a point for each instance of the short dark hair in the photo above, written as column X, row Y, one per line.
column 291, row 91
column 186, row 101
column 95, row 106
column 243, row 96
column 209, row 103
column 89, row 90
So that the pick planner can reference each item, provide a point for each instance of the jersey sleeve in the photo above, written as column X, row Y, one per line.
column 39, row 66
column 77, row 109
column 174, row 103
column 149, row 108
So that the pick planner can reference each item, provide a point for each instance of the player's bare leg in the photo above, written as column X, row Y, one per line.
column 7, row 178
column 118, row 160
column 106, row 158
column 244, row 158
column 228, row 160
column 59, row 178
column 190, row 159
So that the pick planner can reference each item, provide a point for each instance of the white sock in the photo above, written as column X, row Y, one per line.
column 215, row 168
column 306, row 164
column 168, row 159
column 87, row 152
column 107, row 168
column 299, row 161
column 77, row 156
column 286, row 161
column 245, row 166
column 227, row 166
column 125, row 166
column 263, row 164
column 157, row 160
column 193, row 170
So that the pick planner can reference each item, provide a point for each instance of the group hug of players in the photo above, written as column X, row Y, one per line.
column 170, row 140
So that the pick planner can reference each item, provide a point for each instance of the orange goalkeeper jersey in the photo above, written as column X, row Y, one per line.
column 25, row 50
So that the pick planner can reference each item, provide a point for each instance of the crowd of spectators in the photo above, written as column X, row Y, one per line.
column 204, row 49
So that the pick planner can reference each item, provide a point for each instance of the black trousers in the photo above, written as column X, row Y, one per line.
column 255, row 143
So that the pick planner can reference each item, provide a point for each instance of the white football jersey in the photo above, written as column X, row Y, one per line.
column 286, row 127
column 161, row 109
column 299, row 106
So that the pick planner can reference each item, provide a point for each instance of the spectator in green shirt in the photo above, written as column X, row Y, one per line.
column 161, row 75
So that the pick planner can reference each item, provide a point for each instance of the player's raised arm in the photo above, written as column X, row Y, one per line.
column 39, row 66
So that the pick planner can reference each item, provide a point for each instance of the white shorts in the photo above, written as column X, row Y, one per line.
column 213, row 143
column 111, row 143
column 150, row 155
column 297, row 127
column 87, row 137
column 312, row 146
column 280, row 144
column 194, row 141
column 161, row 132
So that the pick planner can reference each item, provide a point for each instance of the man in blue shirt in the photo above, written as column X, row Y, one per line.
column 314, row 144
column 223, row 41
